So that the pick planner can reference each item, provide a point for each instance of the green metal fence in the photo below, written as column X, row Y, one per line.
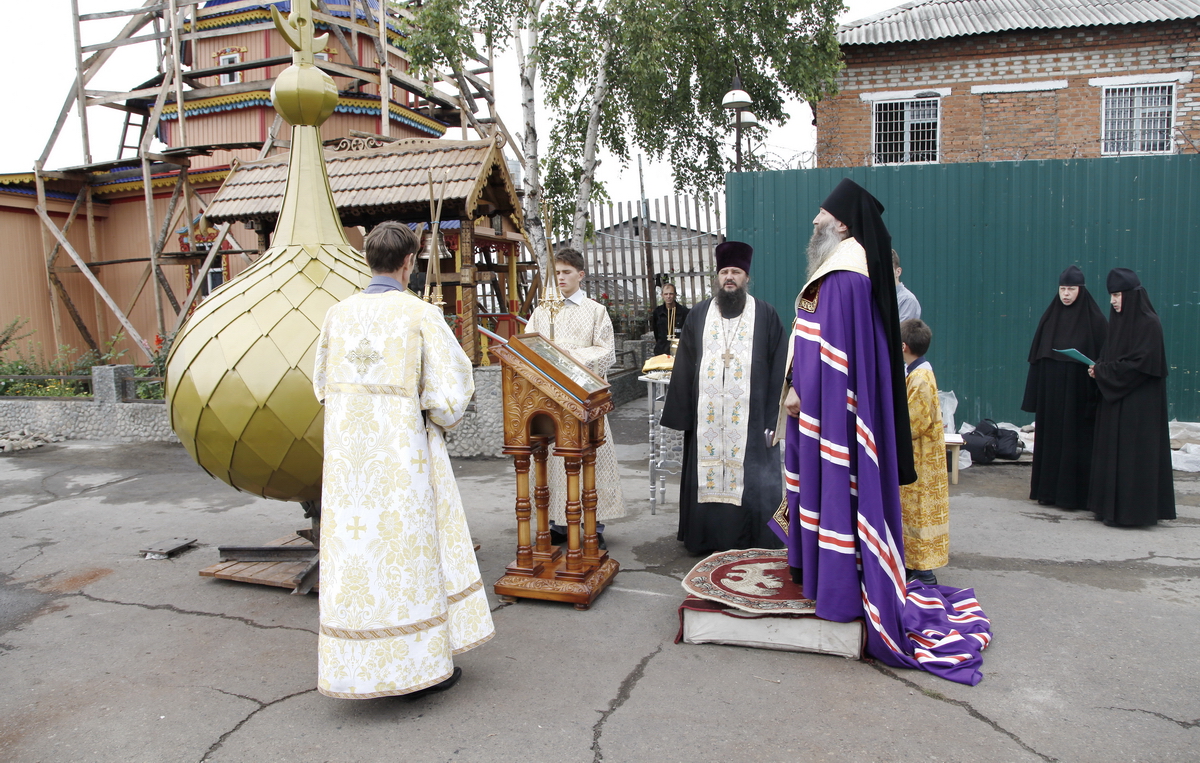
column 982, row 246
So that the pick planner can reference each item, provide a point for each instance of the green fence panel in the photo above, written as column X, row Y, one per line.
column 982, row 246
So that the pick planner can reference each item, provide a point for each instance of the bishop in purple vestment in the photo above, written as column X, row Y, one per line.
column 849, row 449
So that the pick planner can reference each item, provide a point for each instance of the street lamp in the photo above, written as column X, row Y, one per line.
column 738, row 101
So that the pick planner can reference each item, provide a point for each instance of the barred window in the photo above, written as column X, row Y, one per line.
column 1138, row 119
column 907, row 131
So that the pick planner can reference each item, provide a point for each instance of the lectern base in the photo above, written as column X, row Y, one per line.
column 551, row 585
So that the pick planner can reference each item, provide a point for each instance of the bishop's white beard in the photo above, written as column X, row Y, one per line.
column 825, row 240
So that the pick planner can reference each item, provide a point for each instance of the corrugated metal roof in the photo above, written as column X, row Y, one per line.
column 389, row 182
column 935, row 19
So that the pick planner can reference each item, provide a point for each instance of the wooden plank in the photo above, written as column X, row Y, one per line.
column 138, row 291
column 87, row 273
column 93, row 253
column 126, row 41
column 619, row 293
column 121, row 14
column 338, row 33
column 79, row 87
column 55, row 317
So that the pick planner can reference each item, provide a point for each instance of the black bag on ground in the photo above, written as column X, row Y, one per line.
column 1008, row 443
column 982, row 447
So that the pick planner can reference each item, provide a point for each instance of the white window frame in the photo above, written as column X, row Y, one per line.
column 876, row 103
column 1138, row 137
column 225, row 59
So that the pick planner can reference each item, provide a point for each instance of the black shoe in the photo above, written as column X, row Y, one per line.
column 925, row 576
column 1045, row 503
column 557, row 537
column 436, row 688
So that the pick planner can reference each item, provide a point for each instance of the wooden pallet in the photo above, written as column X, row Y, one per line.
column 279, row 574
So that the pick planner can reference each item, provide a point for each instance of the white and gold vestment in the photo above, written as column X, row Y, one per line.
column 584, row 329
column 400, row 590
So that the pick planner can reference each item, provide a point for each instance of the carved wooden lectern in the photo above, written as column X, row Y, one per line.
column 550, row 399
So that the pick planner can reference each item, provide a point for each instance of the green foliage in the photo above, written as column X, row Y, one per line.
column 671, row 62
column 666, row 65
column 67, row 361
column 155, row 390
column 9, row 334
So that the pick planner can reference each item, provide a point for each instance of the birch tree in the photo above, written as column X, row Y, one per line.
column 635, row 74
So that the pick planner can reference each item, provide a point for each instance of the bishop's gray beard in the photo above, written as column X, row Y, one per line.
column 824, row 242
column 730, row 303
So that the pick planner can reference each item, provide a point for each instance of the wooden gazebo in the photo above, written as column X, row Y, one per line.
column 374, row 181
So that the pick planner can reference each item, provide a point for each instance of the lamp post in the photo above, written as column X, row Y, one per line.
column 738, row 101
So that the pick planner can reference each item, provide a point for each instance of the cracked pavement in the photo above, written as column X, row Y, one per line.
column 110, row 657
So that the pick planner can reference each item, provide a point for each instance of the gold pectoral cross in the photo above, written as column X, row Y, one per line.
column 727, row 356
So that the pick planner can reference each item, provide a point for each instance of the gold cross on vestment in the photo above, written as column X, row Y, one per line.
column 727, row 356
column 420, row 462
column 357, row 527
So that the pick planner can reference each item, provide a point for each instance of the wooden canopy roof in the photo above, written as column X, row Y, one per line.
column 390, row 182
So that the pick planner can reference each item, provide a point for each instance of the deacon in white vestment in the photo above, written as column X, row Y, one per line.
column 582, row 328
column 400, row 590
column 724, row 397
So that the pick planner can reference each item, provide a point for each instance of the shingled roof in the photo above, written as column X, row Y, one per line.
column 390, row 182
column 936, row 19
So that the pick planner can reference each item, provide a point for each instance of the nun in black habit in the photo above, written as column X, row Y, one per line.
column 1062, row 396
column 1131, row 483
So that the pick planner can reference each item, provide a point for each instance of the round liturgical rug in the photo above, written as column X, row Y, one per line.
column 751, row 579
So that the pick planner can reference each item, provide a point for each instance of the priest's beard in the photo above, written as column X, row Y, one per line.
column 825, row 239
column 731, row 303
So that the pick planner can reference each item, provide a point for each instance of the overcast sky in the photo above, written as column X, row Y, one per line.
column 39, row 66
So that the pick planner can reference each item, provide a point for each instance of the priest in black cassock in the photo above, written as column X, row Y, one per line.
column 724, row 396
column 1131, row 484
column 1061, row 395
column 667, row 320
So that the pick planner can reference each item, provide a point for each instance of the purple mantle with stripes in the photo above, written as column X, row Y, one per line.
column 845, row 532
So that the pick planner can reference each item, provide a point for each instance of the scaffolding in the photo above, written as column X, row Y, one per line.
column 173, row 28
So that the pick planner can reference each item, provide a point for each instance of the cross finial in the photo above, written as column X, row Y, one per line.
column 297, row 30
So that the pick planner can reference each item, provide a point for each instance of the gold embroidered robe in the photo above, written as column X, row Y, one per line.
column 925, row 504
column 585, row 331
column 400, row 590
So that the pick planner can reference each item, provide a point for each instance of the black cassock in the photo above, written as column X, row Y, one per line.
column 659, row 320
column 1064, row 398
column 1131, row 481
column 709, row 527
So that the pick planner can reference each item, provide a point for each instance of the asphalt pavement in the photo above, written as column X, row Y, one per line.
column 108, row 656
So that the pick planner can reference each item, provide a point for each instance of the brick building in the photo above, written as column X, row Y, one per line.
column 950, row 81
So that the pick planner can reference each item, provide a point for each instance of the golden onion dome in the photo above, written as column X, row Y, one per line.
column 239, row 373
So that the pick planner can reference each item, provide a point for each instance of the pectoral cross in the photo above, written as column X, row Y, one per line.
column 420, row 462
column 357, row 527
column 727, row 356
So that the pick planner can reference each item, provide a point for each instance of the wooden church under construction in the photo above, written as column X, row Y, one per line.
column 132, row 239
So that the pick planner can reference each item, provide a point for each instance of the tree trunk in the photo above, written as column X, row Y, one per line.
column 527, row 63
column 584, row 197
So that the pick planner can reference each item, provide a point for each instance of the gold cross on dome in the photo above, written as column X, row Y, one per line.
column 297, row 30
column 357, row 527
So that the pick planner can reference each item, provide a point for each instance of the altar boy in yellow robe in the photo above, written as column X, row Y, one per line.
column 401, row 593
column 925, row 504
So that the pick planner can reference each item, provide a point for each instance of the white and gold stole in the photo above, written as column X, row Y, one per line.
column 723, row 404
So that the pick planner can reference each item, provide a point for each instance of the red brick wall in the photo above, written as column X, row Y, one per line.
column 1054, row 124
